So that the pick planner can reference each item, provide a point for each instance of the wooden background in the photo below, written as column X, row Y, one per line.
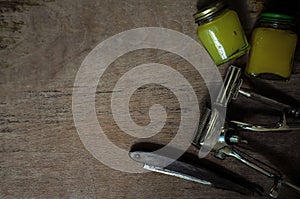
column 43, row 43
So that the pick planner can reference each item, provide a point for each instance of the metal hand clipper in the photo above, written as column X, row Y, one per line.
column 209, row 173
column 225, row 145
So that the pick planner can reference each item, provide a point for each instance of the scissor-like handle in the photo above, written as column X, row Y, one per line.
column 254, row 164
column 282, row 107
column 190, row 167
column 279, row 126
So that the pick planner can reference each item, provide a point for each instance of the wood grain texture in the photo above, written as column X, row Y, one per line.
column 43, row 44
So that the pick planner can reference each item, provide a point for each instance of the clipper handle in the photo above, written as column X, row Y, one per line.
column 288, row 109
column 275, row 175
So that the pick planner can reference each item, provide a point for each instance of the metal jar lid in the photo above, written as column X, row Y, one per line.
column 277, row 18
column 208, row 11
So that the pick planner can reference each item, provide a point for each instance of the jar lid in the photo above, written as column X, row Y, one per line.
column 274, row 17
column 208, row 11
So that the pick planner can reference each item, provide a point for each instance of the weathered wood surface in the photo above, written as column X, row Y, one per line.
column 42, row 46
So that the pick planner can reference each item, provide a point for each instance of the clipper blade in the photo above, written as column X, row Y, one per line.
column 202, row 128
column 212, row 121
column 232, row 84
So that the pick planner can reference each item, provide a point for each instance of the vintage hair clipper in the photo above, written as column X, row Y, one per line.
column 208, row 173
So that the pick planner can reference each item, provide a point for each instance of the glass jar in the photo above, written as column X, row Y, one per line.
column 273, row 45
column 220, row 32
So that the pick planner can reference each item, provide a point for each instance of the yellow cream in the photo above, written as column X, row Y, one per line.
column 272, row 53
column 223, row 37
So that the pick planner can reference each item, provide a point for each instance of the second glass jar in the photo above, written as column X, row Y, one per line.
column 273, row 46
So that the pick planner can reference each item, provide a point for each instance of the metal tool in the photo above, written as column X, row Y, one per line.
column 205, row 172
column 228, row 136
column 190, row 167
column 226, row 147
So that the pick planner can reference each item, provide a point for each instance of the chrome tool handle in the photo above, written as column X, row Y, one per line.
column 280, row 126
column 288, row 109
column 202, row 171
column 274, row 174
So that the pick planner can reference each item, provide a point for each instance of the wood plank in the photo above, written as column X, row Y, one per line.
column 42, row 45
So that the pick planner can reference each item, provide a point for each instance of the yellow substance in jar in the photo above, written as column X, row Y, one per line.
column 223, row 37
column 272, row 53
